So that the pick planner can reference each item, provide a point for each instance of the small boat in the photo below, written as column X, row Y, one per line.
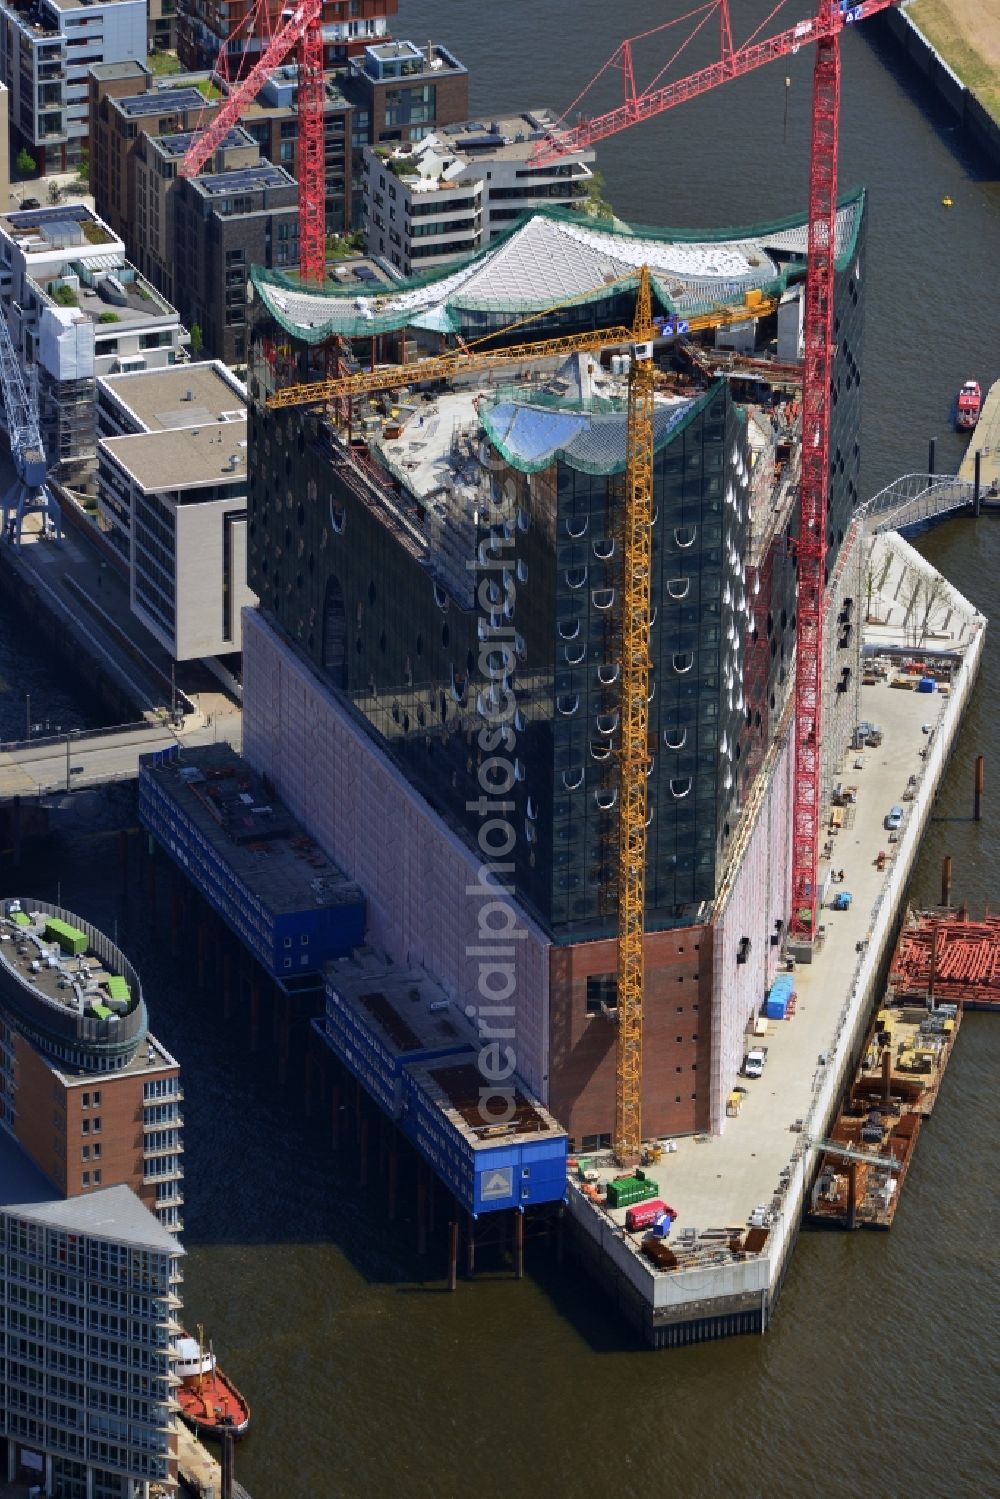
column 210, row 1403
column 970, row 399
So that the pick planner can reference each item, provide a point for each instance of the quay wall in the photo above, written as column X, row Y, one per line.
column 91, row 674
column 938, row 76
column 714, row 1301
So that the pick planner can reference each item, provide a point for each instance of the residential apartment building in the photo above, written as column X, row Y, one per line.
column 207, row 27
column 172, row 483
column 457, row 189
column 89, row 1302
column 46, row 50
column 4, row 147
column 400, row 93
column 85, row 1088
column 77, row 309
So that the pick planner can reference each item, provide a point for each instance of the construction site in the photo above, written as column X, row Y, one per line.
column 561, row 651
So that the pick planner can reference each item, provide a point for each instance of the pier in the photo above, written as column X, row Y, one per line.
column 739, row 1196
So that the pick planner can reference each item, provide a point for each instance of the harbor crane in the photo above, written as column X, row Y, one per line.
column 30, row 493
column 824, row 30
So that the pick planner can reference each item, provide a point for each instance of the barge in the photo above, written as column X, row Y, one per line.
column 864, row 1165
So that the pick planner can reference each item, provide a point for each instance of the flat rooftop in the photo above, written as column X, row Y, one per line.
column 405, row 1007
column 178, row 144
column 187, row 395
column 505, row 138
column 142, row 305
column 67, row 225
column 267, row 850
column 243, row 180
column 76, row 983
column 184, row 457
column 162, row 101
column 454, row 1085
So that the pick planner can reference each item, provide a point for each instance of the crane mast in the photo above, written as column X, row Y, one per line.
column 811, row 543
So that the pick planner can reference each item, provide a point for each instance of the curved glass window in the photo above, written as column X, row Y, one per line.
column 576, row 526
column 608, row 674
column 574, row 654
column 440, row 597
column 605, row 799
column 683, row 662
column 600, row 749
column 604, row 549
column 680, row 786
column 573, row 779
column 568, row 629
column 576, row 577
column 603, row 598
column 678, row 588
column 607, row 723
column 684, row 536
column 675, row 739
column 567, row 704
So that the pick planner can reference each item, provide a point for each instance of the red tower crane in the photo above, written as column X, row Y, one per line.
column 733, row 62
column 301, row 26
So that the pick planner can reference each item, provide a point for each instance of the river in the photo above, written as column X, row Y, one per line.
column 878, row 1376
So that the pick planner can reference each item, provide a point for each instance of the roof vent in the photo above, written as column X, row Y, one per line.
column 234, row 462
column 188, row 395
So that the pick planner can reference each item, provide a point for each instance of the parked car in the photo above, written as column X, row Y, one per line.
column 30, row 203
column 894, row 819
column 753, row 1062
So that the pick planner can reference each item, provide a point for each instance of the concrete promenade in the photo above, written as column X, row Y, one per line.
column 763, row 1157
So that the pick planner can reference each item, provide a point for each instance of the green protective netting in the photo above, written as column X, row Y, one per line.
column 353, row 314
column 531, row 434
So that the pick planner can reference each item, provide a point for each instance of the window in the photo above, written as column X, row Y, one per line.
column 85, row 1178
column 86, row 1100
column 97, row 1099
column 85, row 1153
column 97, row 1178
column 602, row 992
column 85, row 1126
column 96, row 1126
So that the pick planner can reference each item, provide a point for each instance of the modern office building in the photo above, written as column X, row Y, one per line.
column 460, row 188
column 76, row 310
column 46, row 52
column 89, row 1301
column 439, row 616
column 85, row 1089
column 171, row 481
column 206, row 28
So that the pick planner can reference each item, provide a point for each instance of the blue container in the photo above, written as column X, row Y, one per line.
column 775, row 1009
column 927, row 684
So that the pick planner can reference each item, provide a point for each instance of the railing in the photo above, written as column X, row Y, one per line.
column 915, row 498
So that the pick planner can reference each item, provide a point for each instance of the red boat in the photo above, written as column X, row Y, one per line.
column 210, row 1403
column 970, row 399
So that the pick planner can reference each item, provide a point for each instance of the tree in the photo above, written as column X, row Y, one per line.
column 197, row 339
column 83, row 167
column 54, row 192
column 597, row 204
column 25, row 163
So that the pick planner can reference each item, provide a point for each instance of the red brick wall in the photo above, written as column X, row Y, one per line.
column 676, row 1036
column 50, row 1117
column 41, row 1113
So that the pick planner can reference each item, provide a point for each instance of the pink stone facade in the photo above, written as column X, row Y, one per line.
column 415, row 872
column 750, row 906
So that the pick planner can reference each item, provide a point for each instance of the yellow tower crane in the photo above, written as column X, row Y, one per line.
column 637, row 548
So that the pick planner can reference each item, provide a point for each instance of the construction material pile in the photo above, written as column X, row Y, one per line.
column 948, row 958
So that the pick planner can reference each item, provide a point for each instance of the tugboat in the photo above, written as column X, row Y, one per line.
column 209, row 1401
column 970, row 399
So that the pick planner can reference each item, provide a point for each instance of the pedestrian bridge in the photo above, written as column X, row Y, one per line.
column 914, row 499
